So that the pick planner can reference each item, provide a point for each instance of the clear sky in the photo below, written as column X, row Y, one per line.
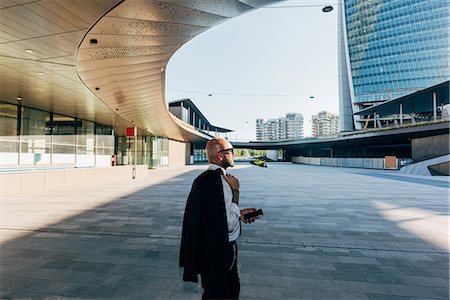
column 263, row 64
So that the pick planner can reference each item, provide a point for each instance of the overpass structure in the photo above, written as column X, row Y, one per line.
column 419, row 142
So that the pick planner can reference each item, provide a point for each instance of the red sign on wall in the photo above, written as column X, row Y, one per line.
column 131, row 131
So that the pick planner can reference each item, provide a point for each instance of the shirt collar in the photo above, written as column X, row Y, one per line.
column 215, row 167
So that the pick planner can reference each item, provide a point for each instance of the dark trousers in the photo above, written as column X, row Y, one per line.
column 232, row 286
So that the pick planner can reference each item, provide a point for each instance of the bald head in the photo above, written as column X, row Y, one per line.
column 216, row 155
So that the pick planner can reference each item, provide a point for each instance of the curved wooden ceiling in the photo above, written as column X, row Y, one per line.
column 115, row 75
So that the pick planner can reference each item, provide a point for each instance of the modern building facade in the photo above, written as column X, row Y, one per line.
column 285, row 128
column 186, row 111
column 33, row 137
column 189, row 114
column 324, row 123
column 388, row 49
column 76, row 75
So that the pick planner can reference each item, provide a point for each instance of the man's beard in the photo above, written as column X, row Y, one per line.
column 227, row 163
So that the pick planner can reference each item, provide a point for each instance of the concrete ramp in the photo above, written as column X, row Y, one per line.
column 435, row 166
column 442, row 169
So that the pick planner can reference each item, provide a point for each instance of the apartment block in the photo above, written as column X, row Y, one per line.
column 324, row 123
column 289, row 127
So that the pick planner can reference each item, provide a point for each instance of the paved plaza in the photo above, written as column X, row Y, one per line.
column 327, row 233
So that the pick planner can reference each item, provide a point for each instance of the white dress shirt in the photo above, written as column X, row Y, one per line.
column 232, row 210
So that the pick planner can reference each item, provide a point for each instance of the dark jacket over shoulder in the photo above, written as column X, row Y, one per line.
column 204, row 239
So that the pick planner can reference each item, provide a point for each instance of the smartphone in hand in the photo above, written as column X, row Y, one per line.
column 253, row 214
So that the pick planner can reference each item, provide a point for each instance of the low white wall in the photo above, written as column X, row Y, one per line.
column 364, row 163
column 178, row 153
column 12, row 183
column 272, row 154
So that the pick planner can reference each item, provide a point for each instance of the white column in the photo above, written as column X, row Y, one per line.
column 434, row 107
column 401, row 114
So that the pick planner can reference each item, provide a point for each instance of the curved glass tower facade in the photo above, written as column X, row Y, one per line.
column 388, row 49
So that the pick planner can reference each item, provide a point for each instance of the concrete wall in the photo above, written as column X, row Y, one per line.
column 178, row 153
column 438, row 165
column 363, row 163
column 12, row 183
column 429, row 147
column 272, row 154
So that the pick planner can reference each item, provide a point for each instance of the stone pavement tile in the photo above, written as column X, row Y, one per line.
column 71, row 276
column 264, row 292
column 328, row 258
column 136, row 253
column 444, row 292
column 297, row 263
column 345, row 276
column 390, row 297
column 341, row 252
column 356, row 267
column 261, row 292
column 412, row 255
column 319, row 265
column 165, row 284
column 383, row 278
column 132, row 269
column 391, row 270
column 397, row 262
column 34, row 253
column 172, row 272
column 412, row 271
column 43, row 289
column 439, row 257
column 360, row 287
column 90, row 277
column 135, row 281
column 256, row 268
column 90, row 291
column 320, row 294
column 307, row 257
column 416, row 291
column 296, row 272
column 424, row 281
column 430, row 264
column 359, row 260
column 11, row 285
column 18, row 265
column 285, row 281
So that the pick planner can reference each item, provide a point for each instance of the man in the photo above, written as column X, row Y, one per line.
column 211, row 226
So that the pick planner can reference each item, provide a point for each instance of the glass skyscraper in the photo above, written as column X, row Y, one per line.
column 388, row 49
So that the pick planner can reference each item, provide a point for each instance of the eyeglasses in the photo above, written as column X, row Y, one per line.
column 226, row 151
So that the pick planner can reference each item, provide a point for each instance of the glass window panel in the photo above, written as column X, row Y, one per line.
column 85, row 127
column 102, row 129
column 35, row 144
column 35, row 122
column 9, row 145
column 64, row 140
column 63, row 125
column 106, row 141
column 105, row 151
column 63, row 149
column 8, row 119
column 81, row 150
